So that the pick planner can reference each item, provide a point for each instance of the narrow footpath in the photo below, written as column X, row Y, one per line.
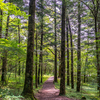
column 48, row 92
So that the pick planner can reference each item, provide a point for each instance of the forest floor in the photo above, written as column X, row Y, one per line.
column 48, row 92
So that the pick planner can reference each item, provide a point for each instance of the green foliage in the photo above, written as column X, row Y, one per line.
column 87, row 90
column 15, row 86
column 10, row 45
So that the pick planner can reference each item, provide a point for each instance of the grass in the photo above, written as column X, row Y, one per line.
column 87, row 90
column 14, row 87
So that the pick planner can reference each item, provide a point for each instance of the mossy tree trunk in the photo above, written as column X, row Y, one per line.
column 39, row 69
column 28, row 84
column 62, row 81
column 4, row 58
column 59, row 57
column 86, row 64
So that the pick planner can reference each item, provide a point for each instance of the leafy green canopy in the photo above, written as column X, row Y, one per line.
column 12, row 9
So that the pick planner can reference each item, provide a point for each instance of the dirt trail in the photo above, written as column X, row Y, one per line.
column 48, row 92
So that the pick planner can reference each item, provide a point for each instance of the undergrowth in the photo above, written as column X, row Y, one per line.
column 87, row 90
column 15, row 86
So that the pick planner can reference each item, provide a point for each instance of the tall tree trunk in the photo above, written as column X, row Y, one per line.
column 71, row 42
column 4, row 58
column 98, row 75
column 28, row 84
column 41, row 47
column 55, row 73
column 86, row 61
column 19, row 45
column 59, row 68
column 39, row 70
column 1, row 15
column 98, row 48
column 67, row 50
column 36, row 64
column 97, row 52
column 79, row 51
column 23, row 68
column 62, row 81
column 59, row 57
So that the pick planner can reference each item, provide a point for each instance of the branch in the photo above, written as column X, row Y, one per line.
column 88, row 7
column 97, row 1
column 93, row 4
column 51, row 51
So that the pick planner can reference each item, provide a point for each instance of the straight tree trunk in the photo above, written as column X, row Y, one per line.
column 79, row 51
column 71, row 42
column 67, row 50
column 98, row 48
column 62, row 81
column 36, row 64
column 28, row 84
column 55, row 73
column 1, row 15
column 98, row 75
column 97, row 52
column 41, row 47
column 86, row 61
column 4, row 58
column 59, row 68
column 23, row 68
column 19, row 46
column 39, row 70
column 59, row 57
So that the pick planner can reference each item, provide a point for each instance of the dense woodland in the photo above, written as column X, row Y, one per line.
column 44, row 38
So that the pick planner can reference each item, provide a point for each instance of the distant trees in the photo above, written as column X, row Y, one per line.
column 52, row 46
column 94, row 9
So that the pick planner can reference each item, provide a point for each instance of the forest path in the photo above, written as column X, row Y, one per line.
column 48, row 92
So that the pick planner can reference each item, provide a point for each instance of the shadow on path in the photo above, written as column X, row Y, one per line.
column 48, row 92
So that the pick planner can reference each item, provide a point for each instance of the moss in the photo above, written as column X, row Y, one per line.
column 28, row 96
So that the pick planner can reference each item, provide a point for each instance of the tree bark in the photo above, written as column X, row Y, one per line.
column 62, row 81
column 36, row 64
column 98, row 52
column 79, row 51
column 55, row 73
column 41, row 47
column 39, row 71
column 71, row 43
column 19, row 46
column 67, row 50
column 1, row 15
column 86, row 61
column 4, row 58
column 28, row 84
